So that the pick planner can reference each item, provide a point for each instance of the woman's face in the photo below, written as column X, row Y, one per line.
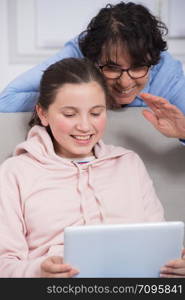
column 77, row 118
column 125, row 89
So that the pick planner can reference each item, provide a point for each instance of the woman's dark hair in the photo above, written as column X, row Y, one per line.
column 129, row 24
column 68, row 70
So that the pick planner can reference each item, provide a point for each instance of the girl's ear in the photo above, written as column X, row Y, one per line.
column 42, row 114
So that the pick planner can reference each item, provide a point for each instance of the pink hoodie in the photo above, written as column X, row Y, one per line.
column 41, row 193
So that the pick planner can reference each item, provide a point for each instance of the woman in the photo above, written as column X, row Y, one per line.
column 64, row 175
column 127, row 43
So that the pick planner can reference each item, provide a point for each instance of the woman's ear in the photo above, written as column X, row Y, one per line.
column 42, row 114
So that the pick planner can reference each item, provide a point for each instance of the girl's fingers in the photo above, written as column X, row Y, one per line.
column 68, row 274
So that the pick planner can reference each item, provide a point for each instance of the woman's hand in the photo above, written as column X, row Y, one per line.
column 174, row 268
column 165, row 117
column 53, row 267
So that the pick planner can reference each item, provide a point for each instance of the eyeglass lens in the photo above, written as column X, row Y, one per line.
column 114, row 72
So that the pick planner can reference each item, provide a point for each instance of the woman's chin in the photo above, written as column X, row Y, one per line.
column 123, row 100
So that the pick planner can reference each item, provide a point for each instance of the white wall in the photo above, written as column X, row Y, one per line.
column 9, row 70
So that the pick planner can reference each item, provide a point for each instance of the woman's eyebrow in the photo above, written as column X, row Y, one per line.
column 111, row 62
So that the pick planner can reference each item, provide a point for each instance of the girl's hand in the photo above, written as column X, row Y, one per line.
column 53, row 267
column 174, row 268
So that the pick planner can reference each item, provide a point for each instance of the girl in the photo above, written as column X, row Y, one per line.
column 64, row 175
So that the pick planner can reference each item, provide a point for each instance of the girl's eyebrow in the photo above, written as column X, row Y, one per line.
column 98, row 106
column 76, row 108
column 68, row 107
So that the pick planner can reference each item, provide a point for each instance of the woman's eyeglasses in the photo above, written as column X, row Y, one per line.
column 115, row 72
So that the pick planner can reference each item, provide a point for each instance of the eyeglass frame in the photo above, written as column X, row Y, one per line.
column 123, row 70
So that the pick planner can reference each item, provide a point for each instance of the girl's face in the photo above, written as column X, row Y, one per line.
column 77, row 118
column 125, row 89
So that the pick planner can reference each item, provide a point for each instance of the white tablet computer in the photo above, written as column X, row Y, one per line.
column 133, row 250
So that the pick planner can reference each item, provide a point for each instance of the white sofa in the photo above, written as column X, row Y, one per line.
column 163, row 157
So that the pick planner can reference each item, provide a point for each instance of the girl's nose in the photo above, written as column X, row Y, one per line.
column 83, row 125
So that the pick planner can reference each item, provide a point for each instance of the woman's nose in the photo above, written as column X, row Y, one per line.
column 124, row 80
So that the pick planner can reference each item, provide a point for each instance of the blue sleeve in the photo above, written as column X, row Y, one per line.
column 168, row 81
column 22, row 93
column 175, row 90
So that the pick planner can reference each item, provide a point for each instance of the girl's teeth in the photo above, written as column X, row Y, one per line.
column 82, row 137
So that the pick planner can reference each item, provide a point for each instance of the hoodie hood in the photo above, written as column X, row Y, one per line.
column 40, row 150
column 39, row 147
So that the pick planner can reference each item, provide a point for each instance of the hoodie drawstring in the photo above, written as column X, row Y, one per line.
column 91, row 185
column 80, row 190
column 99, row 202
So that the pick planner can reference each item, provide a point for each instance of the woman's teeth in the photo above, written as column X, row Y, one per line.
column 126, row 91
